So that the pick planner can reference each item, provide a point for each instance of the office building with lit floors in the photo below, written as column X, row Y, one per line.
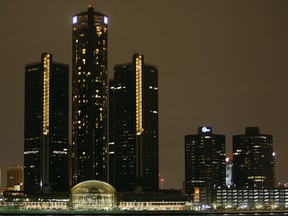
column 135, row 125
column 205, row 167
column 89, row 96
column 253, row 160
column 46, row 126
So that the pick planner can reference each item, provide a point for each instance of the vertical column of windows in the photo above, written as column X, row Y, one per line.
column 139, row 128
column 46, row 95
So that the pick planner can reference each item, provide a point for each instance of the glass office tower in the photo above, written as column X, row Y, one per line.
column 205, row 165
column 46, row 126
column 253, row 159
column 135, row 140
column 89, row 96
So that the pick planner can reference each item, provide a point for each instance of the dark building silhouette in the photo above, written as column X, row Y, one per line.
column 89, row 99
column 205, row 165
column 253, row 159
column 46, row 126
column 135, row 126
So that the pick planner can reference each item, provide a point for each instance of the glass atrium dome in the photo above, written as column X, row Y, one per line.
column 93, row 195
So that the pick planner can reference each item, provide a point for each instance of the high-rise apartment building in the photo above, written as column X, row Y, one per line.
column 134, row 120
column 89, row 96
column 46, row 126
column 205, row 165
column 253, row 159
column 15, row 176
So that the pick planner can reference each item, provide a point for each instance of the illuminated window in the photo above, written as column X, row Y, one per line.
column 75, row 19
column 46, row 94
column 105, row 19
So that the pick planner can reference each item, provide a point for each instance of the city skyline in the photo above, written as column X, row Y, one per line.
column 214, row 47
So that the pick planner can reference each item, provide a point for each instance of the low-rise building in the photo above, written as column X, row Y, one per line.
column 250, row 199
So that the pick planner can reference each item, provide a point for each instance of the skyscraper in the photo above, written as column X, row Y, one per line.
column 253, row 159
column 89, row 99
column 205, row 165
column 135, row 124
column 46, row 126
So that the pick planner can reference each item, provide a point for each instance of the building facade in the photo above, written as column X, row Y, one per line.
column 205, row 167
column 89, row 96
column 111, row 146
column 46, row 126
column 253, row 159
column 251, row 199
column 135, row 126
column 15, row 176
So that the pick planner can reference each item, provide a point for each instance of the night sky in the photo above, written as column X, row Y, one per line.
column 222, row 64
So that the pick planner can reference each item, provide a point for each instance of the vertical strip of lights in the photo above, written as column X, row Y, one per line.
column 46, row 94
column 139, row 128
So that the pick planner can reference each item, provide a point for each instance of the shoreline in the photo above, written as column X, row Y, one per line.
column 118, row 212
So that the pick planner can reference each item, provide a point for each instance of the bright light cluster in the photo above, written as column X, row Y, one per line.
column 46, row 94
column 139, row 128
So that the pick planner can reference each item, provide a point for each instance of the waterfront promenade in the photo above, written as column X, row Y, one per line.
column 23, row 212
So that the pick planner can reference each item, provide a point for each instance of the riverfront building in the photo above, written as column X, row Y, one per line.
column 15, row 177
column 253, row 160
column 46, row 126
column 134, row 139
column 93, row 195
column 89, row 96
column 251, row 199
column 205, row 167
